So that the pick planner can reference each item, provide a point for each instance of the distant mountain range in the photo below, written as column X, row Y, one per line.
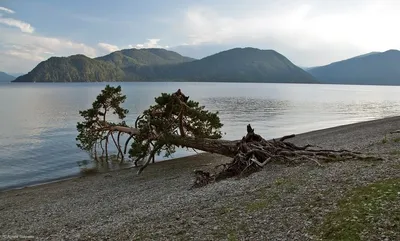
column 375, row 68
column 4, row 77
column 234, row 65
column 154, row 64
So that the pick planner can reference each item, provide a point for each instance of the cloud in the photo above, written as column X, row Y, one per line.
column 151, row 43
column 20, row 52
column 24, row 27
column 108, row 47
column 27, row 55
column 296, row 28
column 7, row 10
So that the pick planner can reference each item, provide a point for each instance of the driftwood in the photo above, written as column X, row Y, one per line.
column 254, row 152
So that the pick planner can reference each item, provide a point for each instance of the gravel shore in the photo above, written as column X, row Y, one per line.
column 278, row 203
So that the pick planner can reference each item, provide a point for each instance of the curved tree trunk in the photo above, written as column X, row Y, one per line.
column 222, row 147
column 249, row 154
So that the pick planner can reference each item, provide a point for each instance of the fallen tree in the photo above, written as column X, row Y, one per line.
column 175, row 121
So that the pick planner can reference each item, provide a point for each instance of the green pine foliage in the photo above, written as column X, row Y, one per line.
column 158, row 129
column 162, row 120
column 95, row 126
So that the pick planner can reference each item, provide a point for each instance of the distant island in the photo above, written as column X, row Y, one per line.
column 4, row 77
column 155, row 64
column 375, row 68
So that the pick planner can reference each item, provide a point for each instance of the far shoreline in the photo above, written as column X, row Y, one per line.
column 300, row 136
column 167, row 81
column 202, row 82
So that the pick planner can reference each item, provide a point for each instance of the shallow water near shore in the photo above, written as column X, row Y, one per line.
column 38, row 121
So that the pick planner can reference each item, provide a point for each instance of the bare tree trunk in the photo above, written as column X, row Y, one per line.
column 218, row 146
column 249, row 154
column 222, row 147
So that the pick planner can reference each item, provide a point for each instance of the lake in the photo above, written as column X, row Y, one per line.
column 38, row 121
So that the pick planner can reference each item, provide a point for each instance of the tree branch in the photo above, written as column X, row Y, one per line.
column 118, row 147
column 151, row 156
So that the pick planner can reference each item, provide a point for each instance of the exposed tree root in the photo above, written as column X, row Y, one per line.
column 254, row 152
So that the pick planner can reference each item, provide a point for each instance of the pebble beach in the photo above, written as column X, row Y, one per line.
column 279, row 202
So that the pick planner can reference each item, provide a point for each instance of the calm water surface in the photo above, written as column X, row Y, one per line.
column 38, row 121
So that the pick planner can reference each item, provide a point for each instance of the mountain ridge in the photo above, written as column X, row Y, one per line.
column 245, row 64
column 74, row 68
column 157, row 56
column 377, row 68
column 156, row 64
column 4, row 77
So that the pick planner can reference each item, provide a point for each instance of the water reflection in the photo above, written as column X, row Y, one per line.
column 88, row 166
column 231, row 106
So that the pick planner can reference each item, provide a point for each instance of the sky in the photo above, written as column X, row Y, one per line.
column 308, row 32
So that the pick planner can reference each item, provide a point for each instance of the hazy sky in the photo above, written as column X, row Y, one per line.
column 308, row 32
